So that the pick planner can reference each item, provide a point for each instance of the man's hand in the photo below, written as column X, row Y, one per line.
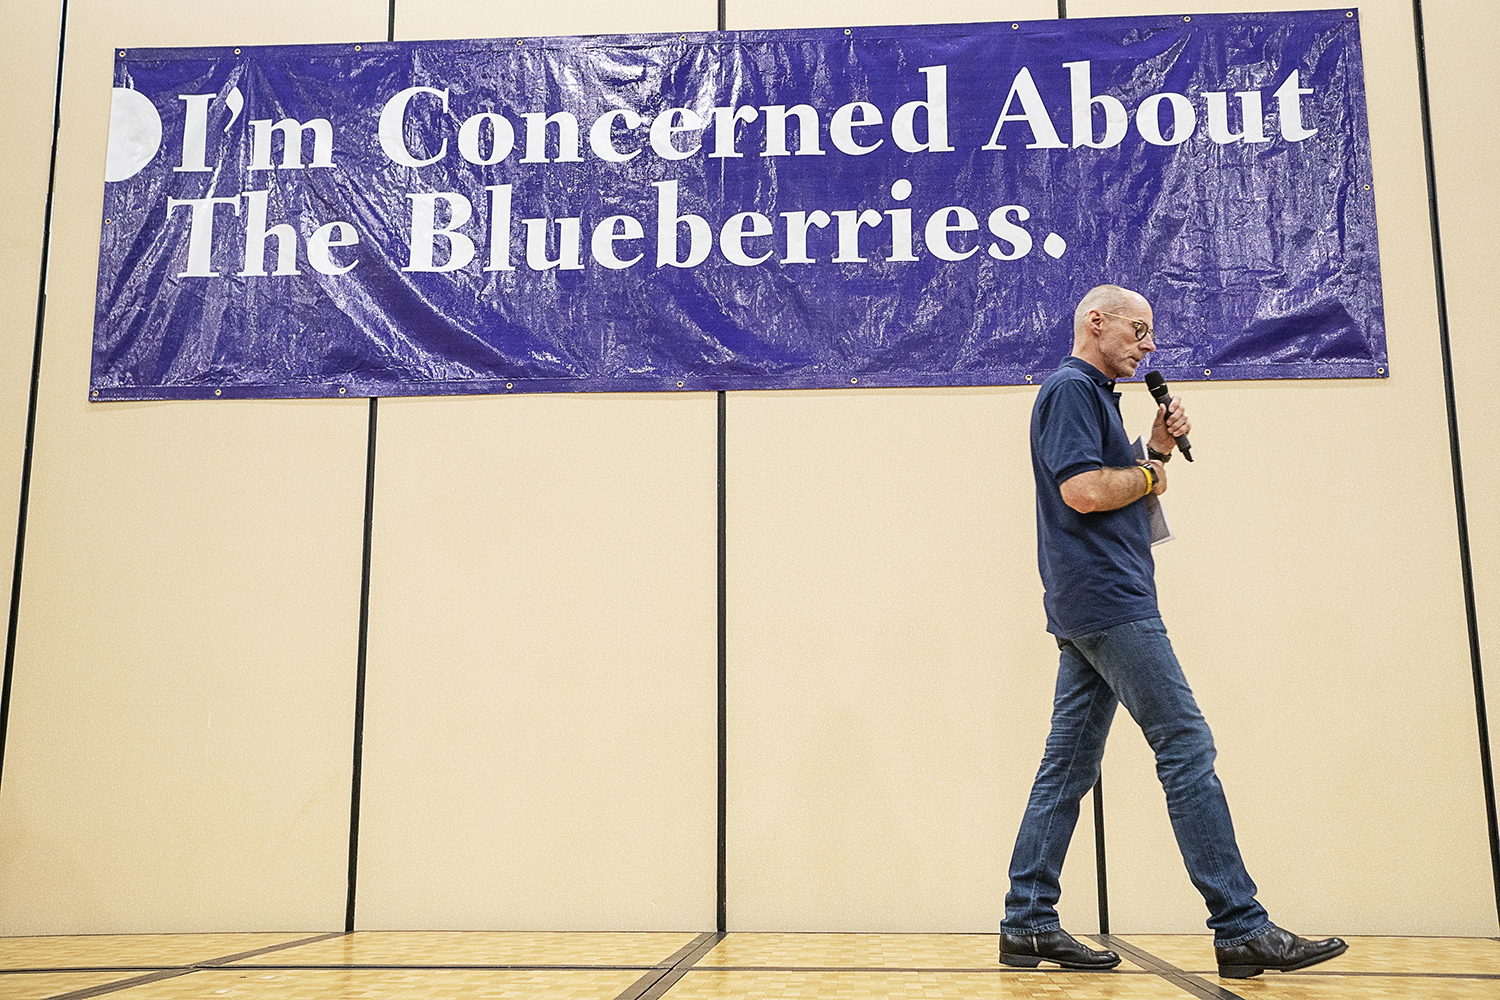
column 1170, row 424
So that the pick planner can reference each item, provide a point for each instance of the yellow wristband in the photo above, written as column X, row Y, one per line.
column 1150, row 480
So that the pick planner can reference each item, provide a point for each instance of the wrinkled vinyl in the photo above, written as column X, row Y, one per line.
column 783, row 209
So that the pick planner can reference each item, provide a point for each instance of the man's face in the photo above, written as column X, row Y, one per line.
column 1118, row 347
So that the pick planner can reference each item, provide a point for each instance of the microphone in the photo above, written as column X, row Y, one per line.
column 1158, row 387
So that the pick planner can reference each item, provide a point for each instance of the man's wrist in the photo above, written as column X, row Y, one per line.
column 1158, row 456
column 1150, row 480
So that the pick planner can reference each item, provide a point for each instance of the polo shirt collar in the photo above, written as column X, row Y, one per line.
column 1090, row 371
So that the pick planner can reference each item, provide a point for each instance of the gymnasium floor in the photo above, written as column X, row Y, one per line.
column 478, row 965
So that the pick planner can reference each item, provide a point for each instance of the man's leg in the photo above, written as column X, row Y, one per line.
column 1083, row 708
column 1136, row 659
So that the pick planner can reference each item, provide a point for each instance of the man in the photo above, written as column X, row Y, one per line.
column 1094, row 549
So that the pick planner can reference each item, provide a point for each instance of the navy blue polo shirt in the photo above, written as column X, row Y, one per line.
column 1096, row 568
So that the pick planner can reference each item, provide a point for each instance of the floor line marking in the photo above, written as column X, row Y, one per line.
column 1196, row 985
column 670, row 977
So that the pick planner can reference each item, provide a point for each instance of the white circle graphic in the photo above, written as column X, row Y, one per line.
column 134, row 134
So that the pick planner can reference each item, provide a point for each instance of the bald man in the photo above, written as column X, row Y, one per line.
column 1094, row 550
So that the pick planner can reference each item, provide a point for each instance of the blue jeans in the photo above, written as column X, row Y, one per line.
column 1131, row 663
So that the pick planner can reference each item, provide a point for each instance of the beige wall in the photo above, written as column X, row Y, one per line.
column 539, row 744
column 28, row 74
column 178, row 755
column 1465, row 168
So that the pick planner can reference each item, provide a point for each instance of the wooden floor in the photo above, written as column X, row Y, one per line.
column 475, row 965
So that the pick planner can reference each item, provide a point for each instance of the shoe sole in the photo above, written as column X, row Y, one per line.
column 1032, row 961
column 1247, row 971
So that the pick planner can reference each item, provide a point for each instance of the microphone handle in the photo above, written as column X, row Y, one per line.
column 1165, row 399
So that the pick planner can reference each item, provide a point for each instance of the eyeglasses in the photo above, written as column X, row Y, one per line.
column 1142, row 328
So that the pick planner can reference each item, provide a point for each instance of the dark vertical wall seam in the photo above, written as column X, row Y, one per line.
column 361, row 656
column 1466, row 568
column 723, row 684
column 357, row 769
column 36, row 375
column 721, row 877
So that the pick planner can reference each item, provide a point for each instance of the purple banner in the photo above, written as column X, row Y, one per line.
column 905, row 206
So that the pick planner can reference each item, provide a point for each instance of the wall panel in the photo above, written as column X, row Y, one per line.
column 1314, row 599
column 889, row 677
column 540, row 743
column 28, row 79
column 179, row 746
column 1466, row 153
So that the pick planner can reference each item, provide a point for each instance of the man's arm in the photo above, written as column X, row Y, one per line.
column 1110, row 489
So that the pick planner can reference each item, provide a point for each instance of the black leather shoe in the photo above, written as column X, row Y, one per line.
column 1027, row 951
column 1277, row 950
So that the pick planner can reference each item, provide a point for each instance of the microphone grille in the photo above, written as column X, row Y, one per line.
column 1154, row 381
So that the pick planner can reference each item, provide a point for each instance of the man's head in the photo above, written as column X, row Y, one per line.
column 1112, row 330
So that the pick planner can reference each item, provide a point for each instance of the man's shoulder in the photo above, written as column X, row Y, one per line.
column 1070, row 382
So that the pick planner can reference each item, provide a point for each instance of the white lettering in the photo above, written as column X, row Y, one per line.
column 1116, row 122
column 1289, row 107
column 256, row 235
column 194, row 132
column 724, row 122
column 424, row 231
column 291, row 143
column 663, row 128
column 609, row 232
column 1148, row 119
column 936, row 106
column 1001, row 226
column 807, row 130
column 499, row 228
column 700, row 237
column 201, row 233
column 796, row 234
column 392, row 128
column 568, row 257
column 601, row 135
column 1033, row 112
column 322, row 239
column 1251, row 118
column 841, row 128
column 536, row 137
column 849, row 226
column 938, row 228
column 732, row 237
column 502, row 138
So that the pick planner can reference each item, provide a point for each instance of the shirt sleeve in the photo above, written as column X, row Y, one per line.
column 1070, row 438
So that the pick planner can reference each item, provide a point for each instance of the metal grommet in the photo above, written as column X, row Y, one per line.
column 518, row 41
column 848, row 31
column 682, row 38
column 1013, row 27
column 1367, row 187
column 1028, row 378
column 1185, row 19
column 1207, row 372
column 122, row 53
column 679, row 384
column 236, row 51
column 218, row 392
column 1378, row 371
column 341, row 390
column 509, row 386
column 96, row 394
column 108, row 221
column 854, row 381
column 1348, row 13
column 357, row 48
